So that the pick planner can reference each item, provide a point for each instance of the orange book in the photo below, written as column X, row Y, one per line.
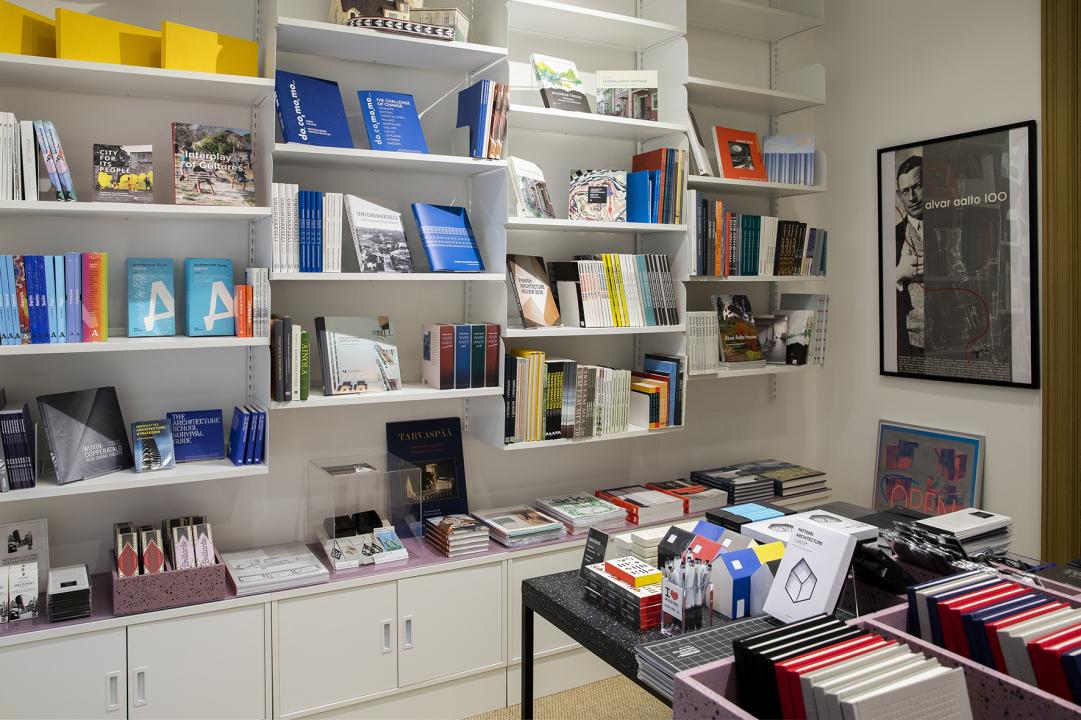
column 240, row 302
column 95, row 297
column 739, row 156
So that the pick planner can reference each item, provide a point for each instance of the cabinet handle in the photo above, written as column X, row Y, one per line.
column 112, row 691
column 407, row 623
column 387, row 648
column 141, row 682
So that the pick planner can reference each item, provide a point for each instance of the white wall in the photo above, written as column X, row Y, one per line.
column 900, row 72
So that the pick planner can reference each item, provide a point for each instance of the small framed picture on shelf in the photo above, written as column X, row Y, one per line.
column 957, row 250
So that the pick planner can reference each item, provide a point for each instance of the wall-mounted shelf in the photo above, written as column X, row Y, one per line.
column 388, row 277
column 132, row 81
column 747, row 98
column 128, row 211
column 561, row 225
column 633, row 432
column 560, row 331
column 587, row 25
column 749, row 19
column 298, row 155
column 311, row 37
column 726, row 186
column 755, row 278
column 410, row 392
column 126, row 344
column 528, row 117
column 752, row 372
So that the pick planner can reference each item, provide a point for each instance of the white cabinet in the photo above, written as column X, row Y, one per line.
column 450, row 622
column 81, row 676
column 336, row 647
column 209, row 665
column 545, row 635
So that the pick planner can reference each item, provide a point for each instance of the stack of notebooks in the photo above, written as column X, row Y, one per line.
column 824, row 668
column 740, row 488
column 520, row 525
column 643, row 543
column 734, row 517
column 644, row 506
column 579, row 513
column 278, row 567
column 69, row 593
column 456, row 535
column 696, row 497
column 974, row 530
column 627, row 588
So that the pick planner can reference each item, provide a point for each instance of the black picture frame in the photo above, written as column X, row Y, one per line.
column 977, row 336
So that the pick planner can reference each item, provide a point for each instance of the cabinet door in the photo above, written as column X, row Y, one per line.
column 450, row 622
column 81, row 676
column 336, row 647
column 210, row 665
column 545, row 635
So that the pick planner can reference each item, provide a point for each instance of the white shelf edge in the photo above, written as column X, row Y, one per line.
column 543, row 119
column 752, row 372
column 560, row 331
column 559, row 19
column 286, row 154
column 149, row 211
column 754, row 278
column 779, row 24
column 704, row 91
column 560, row 225
column 126, row 344
column 388, row 277
column 410, row 392
column 751, row 187
column 635, row 432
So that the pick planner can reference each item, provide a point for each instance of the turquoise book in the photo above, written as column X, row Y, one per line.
column 151, row 300
column 208, row 283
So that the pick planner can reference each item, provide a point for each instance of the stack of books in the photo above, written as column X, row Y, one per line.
column 19, row 162
column 50, row 299
column 19, row 443
column 789, row 158
column 974, row 530
column 68, row 593
column 696, row 497
column 247, row 435
column 703, row 351
column 306, row 229
column 482, row 107
column 579, row 513
column 520, row 525
column 639, row 605
column 643, row 506
column 278, row 567
column 741, row 487
column 460, row 356
column 456, row 535
column 643, row 543
column 736, row 516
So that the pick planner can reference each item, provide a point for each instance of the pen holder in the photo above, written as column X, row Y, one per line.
column 683, row 610
column 168, row 589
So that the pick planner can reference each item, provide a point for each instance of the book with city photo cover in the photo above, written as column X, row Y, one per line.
column 530, row 189
column 123, row 173
column 358, row 355
column 212, row 165
column 378, row 237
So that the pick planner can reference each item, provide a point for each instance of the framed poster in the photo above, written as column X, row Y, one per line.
column 933, row 471
column 957, row 258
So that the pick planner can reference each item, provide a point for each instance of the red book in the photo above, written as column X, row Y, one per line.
column 24, row 307
column 437, row 358
column 788, row 672
column 654, row 160
column 959, row 637
column 631, row 508
column 739, row 156
column 992, row 629
column 491, row 355
column 1046, row 656
column 95, row 297
column 949, row 611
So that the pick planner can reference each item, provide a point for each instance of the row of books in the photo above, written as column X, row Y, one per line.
column 483, row 107
column 19, row 164
column 729, row 244
column 605, row 290
column 306, row 228
column 460, row 356
column 160, row 444
column 790, row 158
column 19, row 446
column 247, row 435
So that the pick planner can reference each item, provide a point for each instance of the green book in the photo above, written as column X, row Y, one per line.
column 305, row 365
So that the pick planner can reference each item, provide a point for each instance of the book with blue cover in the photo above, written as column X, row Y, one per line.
column 73, row 285
column 391, row 121
column 447, row 238
column 6, row 336
column 260, row 435
column 311, row 110
column 60, row 292
column 463, row 343
column 152, row 445
column 434, row 447
column 475, row 110
column 151, row 300
column 253, row 429
column 639, row 197
column 208, row 283
column 238, row 435
column 50, row 297
column 35, row 293
column 197, row 435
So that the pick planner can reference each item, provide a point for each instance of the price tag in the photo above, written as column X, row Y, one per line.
column 596, row 547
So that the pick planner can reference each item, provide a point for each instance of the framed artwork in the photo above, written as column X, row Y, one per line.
column 933, row 471
column 957, row 243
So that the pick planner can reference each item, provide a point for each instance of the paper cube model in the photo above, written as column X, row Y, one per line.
column 801, row 581
column 732, row 573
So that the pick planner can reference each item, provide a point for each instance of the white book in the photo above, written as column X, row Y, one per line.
column 631, row 276
column 5, row 156
column 899, row 656
column 901, row 669
column 336, row 233
column 944, row 585
column 29, row 160
column 937, row 693
column 277, row 567
column 812, row 572
column 814, row 678
column 603, row 295
column 293, row 225
column 1015, row 645
column 964, row 524
column 275, row 226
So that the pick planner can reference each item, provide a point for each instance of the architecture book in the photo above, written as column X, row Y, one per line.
column 152, row 445
column 212, row 165
column 151, row 300
column 447, row 238
column 358, row 355
column 739, row 156
column 86, row 432
column 559, row 82
column 310, row 110
column 434, row 448
column 378, row 237
column 530, row 190
column 812, row 572
column 197, row 435
column 532, row 291
column 391, row 121
column 123, row 173
column 598, row 195
column 628, row 94
column 208, row 285
column 738, row 335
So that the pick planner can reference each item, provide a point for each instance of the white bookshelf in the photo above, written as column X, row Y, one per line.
column 127, row 211
column 733, row 279
column 565, row 20
column 749, row 19
column 540, row 119
column 589, row 226
column 561, row 331
column 414, row 277
column 753, row 372
column 410, row 392
column 633, row 432
column 727, row 186
column 747, row 98
column 128, row 344
column 298, row 155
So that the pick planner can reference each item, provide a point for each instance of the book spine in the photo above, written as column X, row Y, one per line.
column 462, row 355
column 50, row 298
column 510, row 382
column 94, row 298
column 491, row 355
column 59, row 298
column 305, row 365
column 73, row 267
column 238, row 435
column 318, row 240
column 62, row 171
column 47, row 157
column 260, row 436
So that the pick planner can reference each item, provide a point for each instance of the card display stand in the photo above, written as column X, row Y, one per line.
column 169, row 589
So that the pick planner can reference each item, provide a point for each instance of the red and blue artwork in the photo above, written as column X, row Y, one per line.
column 933, row 471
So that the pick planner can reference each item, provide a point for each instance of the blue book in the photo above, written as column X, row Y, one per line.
column 151, row 300
column 238, row 435
column 1071, row 665
column 260, row 435
column 197, row 435
column 317, row 231
column 671, row 369
column 60, row 299
column 436, row 446
column 708, row 530
column 975, row 624
column 253, row 428
column 391, row 121
column 639, row 197
column 73, row 284
column 937, row 636
column 655, row 195
column 302, row 228
column 35, row 296
column 208, row 283
column 8, row 332
column 473, row 110
column 311, row 110
column 13, row 301
column 447, row 238
column 152, row 445
column 50, row 297
column 463, row 344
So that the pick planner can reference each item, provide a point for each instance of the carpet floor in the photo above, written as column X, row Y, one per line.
column 615, row 698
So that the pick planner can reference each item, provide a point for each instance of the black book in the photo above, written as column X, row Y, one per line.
column 510, row 396
column 561, row 99
column 277, row 359
column 672, row 546
column 435, row 448
column 553, row 397
column 18, row 433
column 87, row 433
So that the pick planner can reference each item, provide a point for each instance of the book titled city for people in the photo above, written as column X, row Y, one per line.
column 212, row 165
column 123, row 173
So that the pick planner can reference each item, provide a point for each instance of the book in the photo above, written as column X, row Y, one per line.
column 627, row 93
column 739, row 156
column 212, row 165
column 305, row 364
column 738, row 335
column 152, row 445
column 95, row 297
column 197, row 435
column 476, row 108
column 790, row 158
column 378, row 237
column 396, row 26
column 456, row 535
column 599, row 195
column 123, row 173
column 208, row 284
column 579, row 513
column 278, row 567
column 198, row 50
column 391, row 121
column 358, row 355
column 435, row 481
column 151, row 303
column 532, row 292
column 447, row 237
column 643, row 506
column 798, row 336
column 811, row 573
column 310, row 110
column 20, row 454
column 86, row 432
column 437, row 356
column 530, row 189
column 559, row 82
column 520, row 525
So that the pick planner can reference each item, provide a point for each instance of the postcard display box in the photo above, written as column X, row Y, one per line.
column 170, row 588
column 359, row 505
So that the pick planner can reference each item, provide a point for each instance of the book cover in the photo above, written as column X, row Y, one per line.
column 378, row 237
column 639, row 197
column 772, row 330
column 258, row 454
column 477, row 352
column 738, row 335
column 152, row 445
column 437, row 361
column 475, row 107
column 391, row 121
column 559, row 82
column 238, row 435
column 86, row 432
column 491, row 355
column 434, row 447
column 73, row 286
column 797, row 339
column 95, row 310
column 811, row 573
column 627, row 93
column 151, row 303
column 311, row 110
column 123, row 173
column 208, row 284
column 530, row 189
column 199, row 50
column 532, row 291
column 197, row 435
column 212, row 165
column 463, row 355
column 599, row 195
column 359, row 355
column 80, row 36
column 305, row 364
column 739, row 156
column 447, row 237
